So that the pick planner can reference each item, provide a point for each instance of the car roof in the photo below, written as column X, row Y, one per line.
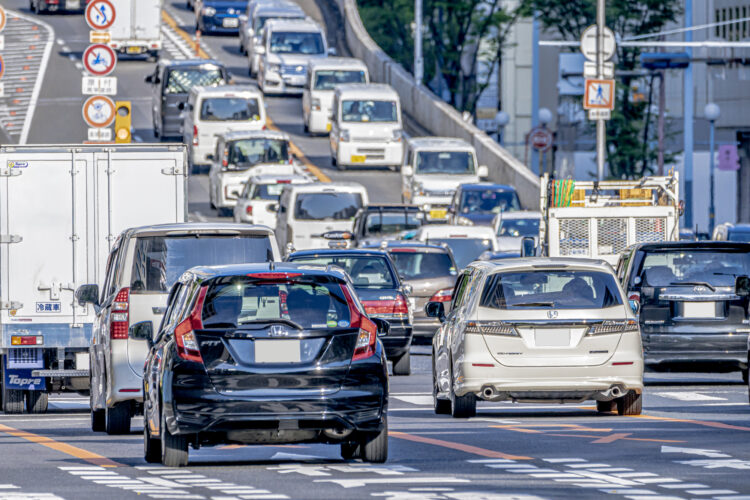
column 196, row 228
column 336, row 63
column 542, row 263
column 694, row 245
column 272, row 178
column 439, row 143
column 483, row 186
column 372, row 90
column 454, row 231
column 175, row 63
column 298, row 25
column 320, row 187
column 339, row 251
column 223, row 90
column 384, row 207
column 208, row 272
column 254, row 134
column 281, row 9
column 520, row 214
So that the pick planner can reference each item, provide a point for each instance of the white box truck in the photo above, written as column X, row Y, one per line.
column 61, row 208
column 137, row 27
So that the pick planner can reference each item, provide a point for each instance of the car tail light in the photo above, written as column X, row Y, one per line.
column 491, row 328
column 368, row 331
column 274, row 276
column 249, row 210
column 444, row 295
column 195, row 135
column 119, row 320
column 26, row 340
column 613, row 327
column 634, row 296
column 184, row 333
column 389, row 309
column 283, row 181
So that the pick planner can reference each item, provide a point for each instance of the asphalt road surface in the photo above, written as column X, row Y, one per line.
column 691, row 442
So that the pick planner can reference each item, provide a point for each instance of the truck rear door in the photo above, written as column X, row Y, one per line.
column 122, row 29
column 146, row 19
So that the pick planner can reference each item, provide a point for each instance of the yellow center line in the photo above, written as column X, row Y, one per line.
column 705, row 423
column 296, row 151
column 68, row 449
column 474, row 450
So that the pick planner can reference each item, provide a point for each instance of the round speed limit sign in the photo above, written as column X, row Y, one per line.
column 99, row 111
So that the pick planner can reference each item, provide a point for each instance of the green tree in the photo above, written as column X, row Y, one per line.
column 626, row 18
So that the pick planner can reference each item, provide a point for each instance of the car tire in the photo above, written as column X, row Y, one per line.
column 349, row 450
column 37, row 401
column 12, row 399
column 98, row 423
column 151, row 446
column 402, row 364
column 374, row 447
column 441, row 406
column 606, row 406
column 174, row 448
column 117, row 419
column 630, row 404
column 462, row 406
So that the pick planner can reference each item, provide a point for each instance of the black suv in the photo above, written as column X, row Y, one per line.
column 694, row 310
column 375, row 223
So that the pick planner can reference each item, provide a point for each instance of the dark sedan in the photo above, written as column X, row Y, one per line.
column 219, row 16
column 381, row 291
column 264, row 354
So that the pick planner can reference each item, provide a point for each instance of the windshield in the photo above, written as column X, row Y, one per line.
column 369, row 111
column 247, row 153
column 518, row 228
column 269, row 192
column 366, row 271
column 436, row 162
column 159, row 261
column 326, row 79
column 378, row 223
column 741, row 236
column 488, row 201
column 551, row 289
column 261, row 21
column 180, row 81
column 465, row 250
column 319, row 206
column 236, row 301
column 296, row 43
column 219, row 109
column 415, row 265
column 694, row 267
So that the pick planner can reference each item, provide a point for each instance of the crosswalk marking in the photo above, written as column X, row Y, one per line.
column 689, row 396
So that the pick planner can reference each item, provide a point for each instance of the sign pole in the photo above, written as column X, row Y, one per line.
column 601, row 125
column 418, row 58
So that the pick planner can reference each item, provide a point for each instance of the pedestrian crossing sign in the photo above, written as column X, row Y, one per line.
column 599, row 94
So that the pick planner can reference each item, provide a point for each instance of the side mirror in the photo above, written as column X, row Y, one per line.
column 407, row 170
column 149, row 79
column 483, row 171
column 408, row 289
column 87, row 294
column 182, row 106
column 528, row 246
column 742, row 286
column 273, row 208
column 635, row 306
column 435, row 310
column 332, row 51
column 384, row 328
column 142, row 331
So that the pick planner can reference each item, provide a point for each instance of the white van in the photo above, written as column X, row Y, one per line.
column 306, row 213
column 289, row 46
column 322, row 76
column 259, row 200
column 432, row 171
column 366, row 126
column 251, row 29
column 242, row 155
column 466, row 242
column 211, row 111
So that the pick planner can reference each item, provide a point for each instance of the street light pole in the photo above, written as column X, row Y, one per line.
column 418, row 58
column 601, row 125
column 712, row 112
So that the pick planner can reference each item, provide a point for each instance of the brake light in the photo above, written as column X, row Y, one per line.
column 184, row 333
column 368, row 331
column 391, row 309
column 195, row 135
column 403, row 250
column 249, row 210
column 26, row 340
column 119, row 320
column 283, row 181
column 444, row 295
column 274, row 276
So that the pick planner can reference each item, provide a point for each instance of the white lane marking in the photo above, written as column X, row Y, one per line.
column 416, row 400
column 712, row 492
column 8, row 487
column 586, row 466
column 358, row 483
column 60, row 41
column 635, row 474
column 689, row 396
column 563, row 460
column 695, row 451
column 683, row 486
column 491, row 461
column 78, row 65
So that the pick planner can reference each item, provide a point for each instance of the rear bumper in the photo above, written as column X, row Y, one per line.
column 720, row 350
column 398, row 340
column 372, row 153
column 275, row 83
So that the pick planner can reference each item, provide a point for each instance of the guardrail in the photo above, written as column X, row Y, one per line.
column 434, row 114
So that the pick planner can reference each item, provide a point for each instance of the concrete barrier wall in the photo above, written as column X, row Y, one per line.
column 434, row 114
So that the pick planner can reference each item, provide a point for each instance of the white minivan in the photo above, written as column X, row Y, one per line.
column 366, row 126
column 432, row 170
column 259, row 201
column 211, row 111
column 322, row 77
column 289, row 46
column 307, row 212
column 251, row 29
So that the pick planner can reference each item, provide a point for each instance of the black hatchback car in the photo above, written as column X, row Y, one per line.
column 381, row 291
column 693, row 316
column 264, row 353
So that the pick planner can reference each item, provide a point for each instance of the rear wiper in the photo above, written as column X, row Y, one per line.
column 694, row 283
column 276, row 320
column 534, row 304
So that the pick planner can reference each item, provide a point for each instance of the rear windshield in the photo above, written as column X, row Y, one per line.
column 366, row 271
column 414, row 265
column 241, row 301
column 269, row 192
column 247, row 153
column 296, row 43
column 488, row 201
column 694, row 267
column 551, row 289
column 226, row 109
column 465, row 250
column 327, row 206
column 741, row 236
column 160, row 260
column 518, row 228
column 369, row 111
column 326, row 79
column 180, row 81
column 437, row 162
column 392, row 222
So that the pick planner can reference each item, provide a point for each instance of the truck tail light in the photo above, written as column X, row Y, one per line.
column 119, row 320
column 444, row 295
column 195, row 135
column 368, row 331
column 184, row 333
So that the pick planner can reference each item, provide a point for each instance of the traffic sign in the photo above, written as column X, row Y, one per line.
column 99, row 111
column 589, row 45
column 100, row 14
column 541, row 139
column 99, row 36
column 3, row 18
column 599, row 94
column 591, row 71
column 599, row 114
column 99, row 85
column 2, row 66
column 99, row 59
column 100, row 134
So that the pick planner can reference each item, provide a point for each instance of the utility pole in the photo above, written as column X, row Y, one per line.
column 687, row 92
column 418, row 58
column 601, row 125
column 660, row 126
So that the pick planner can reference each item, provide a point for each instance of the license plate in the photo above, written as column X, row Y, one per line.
column 230, row 22
column 438, row 213
column 277, row 351
column 328, row 127
column 359, row 158
column 133, row 50
column 699, row 310
column 552, row 337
